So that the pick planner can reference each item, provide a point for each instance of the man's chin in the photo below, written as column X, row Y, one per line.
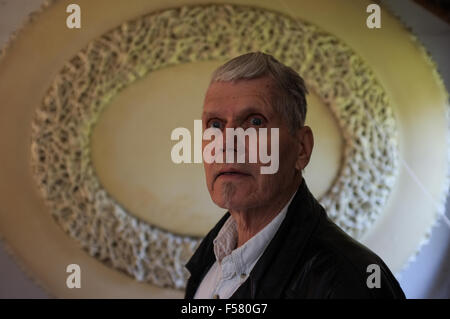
column 234, row 203
column 230, row 195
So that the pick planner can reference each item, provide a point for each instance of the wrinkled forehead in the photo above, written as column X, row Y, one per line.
column 228, row 98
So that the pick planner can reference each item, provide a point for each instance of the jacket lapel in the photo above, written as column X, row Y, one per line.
column 203, row 259
column 274, row 269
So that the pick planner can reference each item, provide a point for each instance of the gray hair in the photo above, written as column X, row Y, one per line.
column 290, row 98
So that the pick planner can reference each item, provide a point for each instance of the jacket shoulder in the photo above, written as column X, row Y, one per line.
column 334, row 265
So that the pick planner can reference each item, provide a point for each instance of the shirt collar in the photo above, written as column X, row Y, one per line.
column 243, row 259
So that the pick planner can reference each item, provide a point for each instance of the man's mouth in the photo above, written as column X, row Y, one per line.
column 232, row 174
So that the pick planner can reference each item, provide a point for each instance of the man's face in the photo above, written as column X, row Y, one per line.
column 245, row 104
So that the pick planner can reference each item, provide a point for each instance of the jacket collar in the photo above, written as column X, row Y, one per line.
column 203, row 258
column 278, row 260
column 274, row 269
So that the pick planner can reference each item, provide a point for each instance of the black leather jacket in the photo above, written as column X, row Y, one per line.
column 309, row 257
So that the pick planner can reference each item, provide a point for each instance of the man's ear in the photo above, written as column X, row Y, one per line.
column 305, row 139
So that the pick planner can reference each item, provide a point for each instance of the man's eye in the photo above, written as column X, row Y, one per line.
column 256, row 121
column 215, row 124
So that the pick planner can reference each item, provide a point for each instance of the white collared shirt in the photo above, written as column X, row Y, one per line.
column 233, row 266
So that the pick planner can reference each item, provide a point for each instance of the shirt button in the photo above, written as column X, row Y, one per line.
column 243, row 276
column 216, row 296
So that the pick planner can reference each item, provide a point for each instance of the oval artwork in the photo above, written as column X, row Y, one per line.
column 123, row 184
column 131, row 148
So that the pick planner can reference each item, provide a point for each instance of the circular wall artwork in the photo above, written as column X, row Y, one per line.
column 92, row 141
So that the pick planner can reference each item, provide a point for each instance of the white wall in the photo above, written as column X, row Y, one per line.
column 427, row 277
column 14, row 283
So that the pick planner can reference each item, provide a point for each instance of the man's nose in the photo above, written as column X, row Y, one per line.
column 232, row 143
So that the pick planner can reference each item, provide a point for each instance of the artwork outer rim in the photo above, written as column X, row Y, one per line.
column 439, row 211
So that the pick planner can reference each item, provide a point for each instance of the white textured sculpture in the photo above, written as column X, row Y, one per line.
column 84, row 86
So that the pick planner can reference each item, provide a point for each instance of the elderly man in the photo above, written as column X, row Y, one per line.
column 276, row 240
